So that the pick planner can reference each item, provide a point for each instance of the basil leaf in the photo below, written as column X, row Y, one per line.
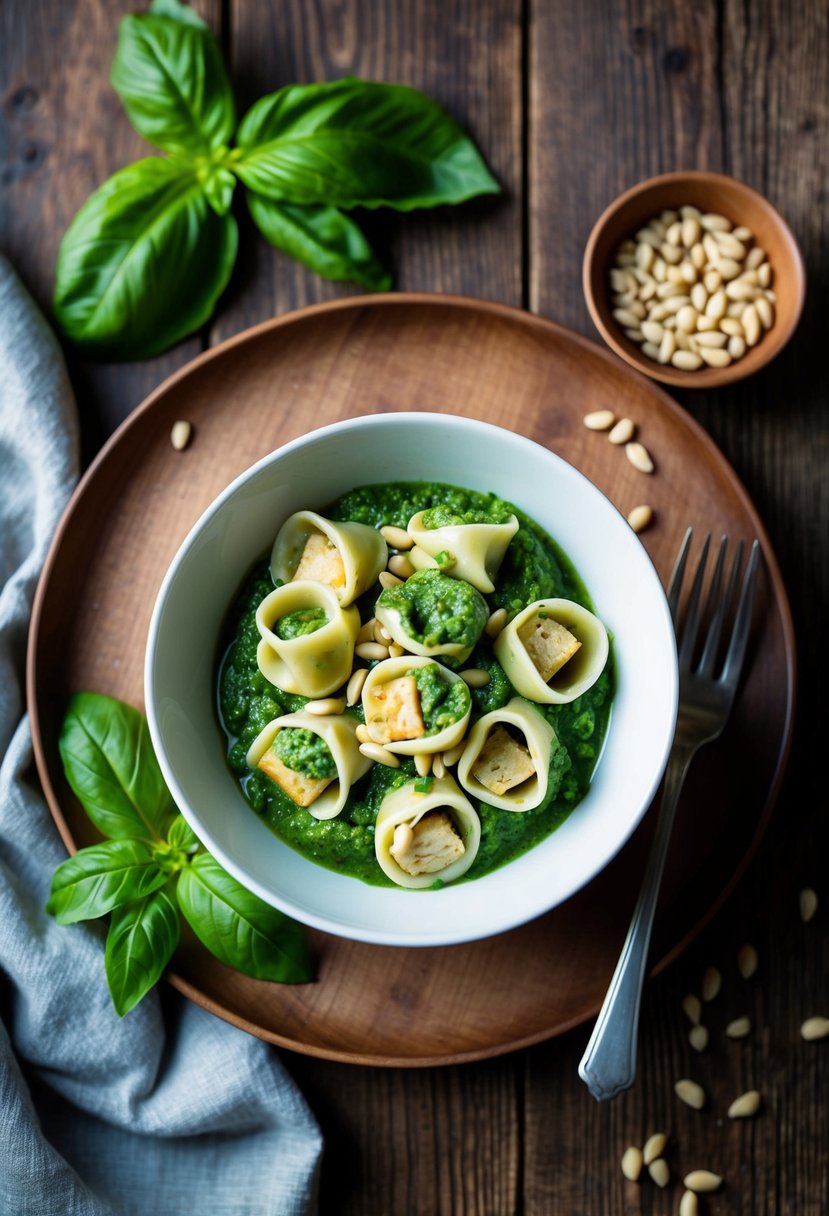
column 170, row 76
column 218, row 185
column 111, row 766
column 240, row 929
column 140, row 943
column 181, row 835
column 178, row 12
column 143, row 262
column 102, row 877
column 322, row 238
column 358, row 143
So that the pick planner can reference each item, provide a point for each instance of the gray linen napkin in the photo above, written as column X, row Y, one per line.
column 165, row 1111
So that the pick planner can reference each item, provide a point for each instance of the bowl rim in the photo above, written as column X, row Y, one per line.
column 710, row 377
column 321, row 922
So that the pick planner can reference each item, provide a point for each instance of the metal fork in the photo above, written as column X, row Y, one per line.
column 705, row 699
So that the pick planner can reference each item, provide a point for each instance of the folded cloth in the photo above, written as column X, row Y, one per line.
column 165, row 1111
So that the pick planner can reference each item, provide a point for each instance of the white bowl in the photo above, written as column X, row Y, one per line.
column 240, row 526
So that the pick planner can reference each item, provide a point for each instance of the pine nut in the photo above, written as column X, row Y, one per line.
column 711, row 983
column 362, row 733
column 617, row 282
column 712, row 281
column 764, row 311
column 717, row 305
column 743, row 234
column 648, row 290
column 659, row 1171
column 712, row 249
column 686, row 319
column 698, row 256
column 714, row 357
column 702, row 1181
column 671, row 253
column 403, row 837
column 371, row 651
column 699, row 297
column 632, row 1163
column 667, row 347
column 654, row 1147
column 649, row 237
column 712, row 339
column 640, row 517
column 325, row 707
column 730, row 246
column 635, row 335
column 401, row 566
column 690, row 232
column 737, row 347
column 668, row 289
column 674, row 234
column 739, row 291
column 599, row 420
column 180, row 434
column 653, row 331
column 622, row 431
column 674, row 304
column 675, row 275
column 815, row 1028
column 706, row 324
column 386, row 580
column 686, row 360
column 698, row 1037
column 355, row 685
column 683, row 340
column 689, row 1204
column 732, row 327
column 808, row 904
column 692, row 1008
column 691, row 1094
column 688, row 271
column 644, row 255
column 496, row 623
column 381, row 634
column 659, row 270
column 475, row 677
column 729, row 269
column 638, row 454
column 396, row 651
column 423, row 763
column 625, row 317
column 438, row 766
column 745, row 1106
column 366, row 633
column 715, row 223
column 398, row 538
column 669, row 217
column 380, row 755
column 747, row 961
column 755, row 258
column 764, row 274
column 739, row 1028
column 650, row 349
column 451, row 757
column 690, row 213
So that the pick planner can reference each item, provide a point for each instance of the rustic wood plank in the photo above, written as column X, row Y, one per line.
column 742, row 90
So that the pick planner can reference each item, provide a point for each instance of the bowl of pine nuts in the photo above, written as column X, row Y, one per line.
column 694, row 279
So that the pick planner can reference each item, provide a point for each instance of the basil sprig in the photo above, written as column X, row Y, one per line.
column 152, row 868
column 146, row 258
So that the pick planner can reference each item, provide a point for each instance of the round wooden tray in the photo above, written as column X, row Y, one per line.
column 371, row 1004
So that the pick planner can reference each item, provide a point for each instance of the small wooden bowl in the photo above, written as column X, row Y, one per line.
column 710, row 192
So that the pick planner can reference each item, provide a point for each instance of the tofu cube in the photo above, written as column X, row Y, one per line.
column 301, row 789
column 503, row 762
column 434, row 845
column 549, row 645
column 396, row 712
column 321, row 562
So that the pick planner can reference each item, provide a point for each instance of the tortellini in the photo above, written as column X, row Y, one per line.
column 345, row 556
column 323, row 798
column 422, row 837
column 415, row 705
column 508, row 769
column 553, row 651
column 474, row 551
column 310, row 664
column 433, row 615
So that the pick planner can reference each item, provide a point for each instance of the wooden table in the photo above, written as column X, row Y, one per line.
column 570, row 104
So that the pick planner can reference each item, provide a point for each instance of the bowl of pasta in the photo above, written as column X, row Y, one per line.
column 414, row 708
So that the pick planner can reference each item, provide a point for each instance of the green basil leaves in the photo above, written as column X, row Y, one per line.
column 146, row 258
column 151, row 867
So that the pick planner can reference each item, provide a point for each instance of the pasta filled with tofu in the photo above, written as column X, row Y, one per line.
column 421, row 837
column 314, row 760
column 553, row 651
column 306, row 639
column 506, row 761
column 347, row 557
column 472, row 551
column 414, row 705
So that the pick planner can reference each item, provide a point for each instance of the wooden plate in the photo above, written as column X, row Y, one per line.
column 371, row 1004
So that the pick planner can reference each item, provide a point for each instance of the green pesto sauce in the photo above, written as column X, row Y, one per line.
column 438, row 610
column 534, row 568
column 441, row 702
column 300, row 623
column 498, row 512
column 304, row 751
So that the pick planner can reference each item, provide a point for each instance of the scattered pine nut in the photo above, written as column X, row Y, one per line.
column 496, row 623
column 702, row 1181
column 814, row 1028
column 739, row 1028
column 659, row 1171
column 381, row 634
column 698, row 1037
column 180, row 434
column 423, row 763
column 808, row 904
column 453, row 755
column 689, row 1204
column 632, row 1163
column 381, row 755
column 745, row 1106
column 654, row 1147
column 686, row 360
column 371, row 651
column 362, row 734
column 355, row 685
column 747, row 961
column 640, row 517
column 599, row 420
column 692, row 1008
column 325, row 707
column 475, row 677
column 403, row 837
column 691, row 1094
column 622, row 431
column 366, row 633
column 711, row 983
column 438, row 766
column 396, row 651
column 639, row 457
column 400, row 566
column 398, row 538
column 386, row 579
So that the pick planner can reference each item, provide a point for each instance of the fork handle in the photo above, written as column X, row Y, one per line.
column 609, row 1063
